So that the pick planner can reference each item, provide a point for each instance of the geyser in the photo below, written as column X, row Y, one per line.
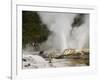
column 63, row 35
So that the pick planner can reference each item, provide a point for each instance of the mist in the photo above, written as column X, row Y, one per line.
column 64, row 36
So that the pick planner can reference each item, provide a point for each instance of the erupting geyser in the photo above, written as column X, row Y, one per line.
column 60, row 24
column 69, row 34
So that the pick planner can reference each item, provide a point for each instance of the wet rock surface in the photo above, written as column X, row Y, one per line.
column 31, row 61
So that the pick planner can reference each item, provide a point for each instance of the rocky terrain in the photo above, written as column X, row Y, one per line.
column 70, row 58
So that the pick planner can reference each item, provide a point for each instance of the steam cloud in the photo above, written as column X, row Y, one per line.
column 63, row 35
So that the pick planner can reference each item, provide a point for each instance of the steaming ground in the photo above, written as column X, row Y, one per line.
column 69, row 30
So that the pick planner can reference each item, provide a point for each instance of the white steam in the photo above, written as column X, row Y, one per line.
column 60, row 25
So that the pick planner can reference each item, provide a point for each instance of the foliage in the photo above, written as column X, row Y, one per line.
column 32, row 28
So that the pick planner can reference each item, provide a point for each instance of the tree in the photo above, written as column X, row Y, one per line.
column 32, row 28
